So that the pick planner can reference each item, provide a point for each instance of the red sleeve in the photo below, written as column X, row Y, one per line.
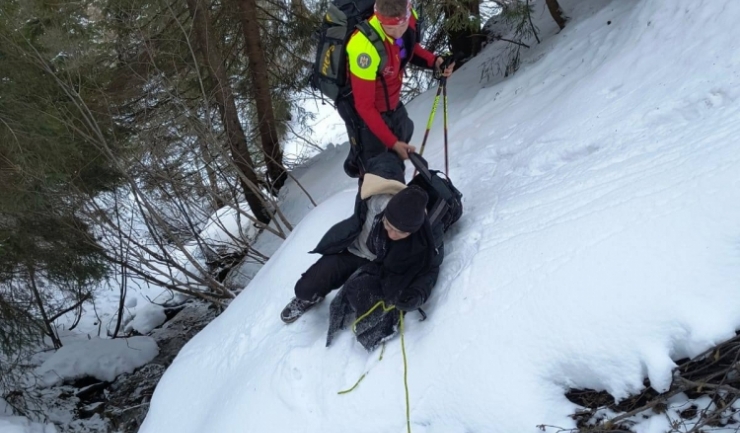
column 428, row 56
column 364, row 95
column 420, row 52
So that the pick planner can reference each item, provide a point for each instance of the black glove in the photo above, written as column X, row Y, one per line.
column 410, row 300
column 447, row 58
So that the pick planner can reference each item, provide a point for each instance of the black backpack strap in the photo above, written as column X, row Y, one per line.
column 439, row 209
column 379, row 46
column 421, row 165
column 374, row 39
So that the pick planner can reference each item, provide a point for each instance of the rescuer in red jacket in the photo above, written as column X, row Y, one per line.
column 377, row 121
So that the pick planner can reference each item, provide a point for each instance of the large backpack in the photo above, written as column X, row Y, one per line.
column 445, row 201
column 329, row 74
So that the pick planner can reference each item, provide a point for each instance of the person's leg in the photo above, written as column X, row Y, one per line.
column 352, row 164
column 383, row 161
column 371, row 146
column 363, row 288
column 327, row 274
column 363, row 292
column 401, row 124
column 364, row 153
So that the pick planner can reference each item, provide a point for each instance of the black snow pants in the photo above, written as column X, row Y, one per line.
column 329, row 273
column 359, row 295
column 364, row 145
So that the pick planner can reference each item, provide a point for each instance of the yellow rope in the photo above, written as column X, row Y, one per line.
column 382, row 350
column 353, row 386
column 405, row 376
column 403, row 352
column 380, row 303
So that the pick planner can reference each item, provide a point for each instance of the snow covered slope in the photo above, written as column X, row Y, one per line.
column 601, row 240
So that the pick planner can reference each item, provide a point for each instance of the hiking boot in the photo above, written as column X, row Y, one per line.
column 295, row 309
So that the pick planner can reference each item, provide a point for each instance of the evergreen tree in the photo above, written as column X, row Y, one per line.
column 49, row 166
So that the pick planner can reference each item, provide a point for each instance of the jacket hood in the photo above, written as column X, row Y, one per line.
column 375, row 185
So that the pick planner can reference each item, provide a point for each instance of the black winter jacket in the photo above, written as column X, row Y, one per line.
column 409, row 263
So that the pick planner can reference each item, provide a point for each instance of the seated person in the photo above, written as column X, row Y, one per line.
column 388, row 248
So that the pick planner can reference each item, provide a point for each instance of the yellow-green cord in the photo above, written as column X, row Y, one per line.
column 382, row 350
column 405, row 376
column 403, row 352
column 354, row 386
column 380, row 303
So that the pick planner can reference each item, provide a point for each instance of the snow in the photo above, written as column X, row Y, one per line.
column 5, row 409
column 147, row 318
column 600, row 242
column 145, row 303
column 227, row 227
column 103, row 359
column 17, row 424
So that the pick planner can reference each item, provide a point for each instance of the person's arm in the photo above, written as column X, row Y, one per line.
column 415, row 295
column 423, row 58
column 363, row 60
column 420, row 57
column 418, row 292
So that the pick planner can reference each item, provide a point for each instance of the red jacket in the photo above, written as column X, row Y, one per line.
column 372, row 95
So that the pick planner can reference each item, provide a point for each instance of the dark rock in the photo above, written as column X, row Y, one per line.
column 84, row 382
column 92, row 391
column 128, row 397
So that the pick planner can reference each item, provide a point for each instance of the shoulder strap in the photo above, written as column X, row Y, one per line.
column 439, row 209
column 441, row 206
column 379, row 46
column 420, row 164
column 374, row 39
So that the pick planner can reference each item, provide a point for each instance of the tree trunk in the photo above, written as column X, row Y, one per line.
column 556, row 12
column 263, row 100
column 40, row 303
column 227, row 108
column 121, row 299
column 208, row 162
column 465, row 43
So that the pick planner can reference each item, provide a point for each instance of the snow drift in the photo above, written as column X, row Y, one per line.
column 601, row 241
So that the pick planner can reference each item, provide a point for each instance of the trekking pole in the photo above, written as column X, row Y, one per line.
column 447, row 62
column 444, row 96
column 431, row 115
column 431, row 118
column 441, row 89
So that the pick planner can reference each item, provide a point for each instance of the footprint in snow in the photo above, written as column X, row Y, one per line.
column 556, row 157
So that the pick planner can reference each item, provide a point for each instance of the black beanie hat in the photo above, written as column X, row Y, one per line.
column 407, row 209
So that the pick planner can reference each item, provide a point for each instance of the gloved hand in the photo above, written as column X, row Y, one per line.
column 443, row 66
column 410, row 300
column 403, row 149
